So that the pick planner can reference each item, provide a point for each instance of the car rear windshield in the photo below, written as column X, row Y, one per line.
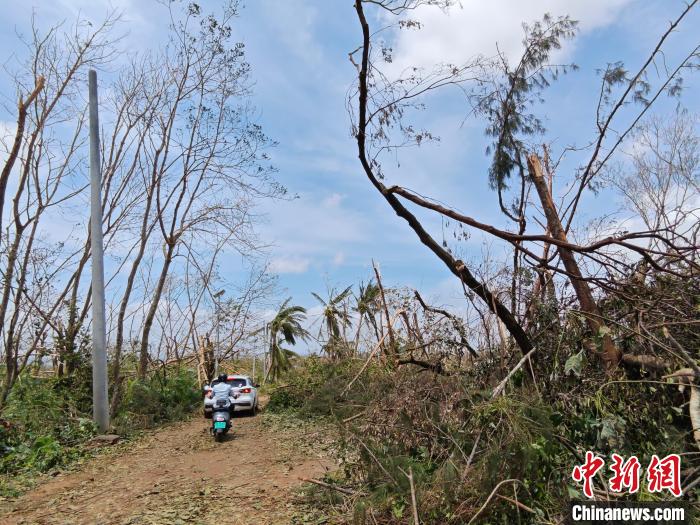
column 236, row 383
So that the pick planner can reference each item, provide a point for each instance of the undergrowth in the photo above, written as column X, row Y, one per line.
column 458, row 443
column 47, row 421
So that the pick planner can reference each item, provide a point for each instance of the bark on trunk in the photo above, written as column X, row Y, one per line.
column 610, row 354
column 119, row 340
column 150, row 316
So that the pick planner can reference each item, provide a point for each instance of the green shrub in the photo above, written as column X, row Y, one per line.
column 47, row 421
column 315, row 387
column 158, row 399
column 46, row 452
column 44, row 423
column 408, row 418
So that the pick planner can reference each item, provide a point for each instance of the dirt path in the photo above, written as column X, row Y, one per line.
column 179, row 475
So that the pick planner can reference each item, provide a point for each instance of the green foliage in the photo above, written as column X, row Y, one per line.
column 161, row 397
column 395, row 420
column 574, row 364
column 47, row 421
column 44, row 422
column 315, row 386
column 335, row 317
column 286, row 327
column 508, row 107
column 295, row 393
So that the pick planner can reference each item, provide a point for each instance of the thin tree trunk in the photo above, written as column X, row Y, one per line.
column 357, row 334
column 10, row 355
column 392, row 341
column 150, row 315
column 119, row 339
column 12, row 346
column 610, row 353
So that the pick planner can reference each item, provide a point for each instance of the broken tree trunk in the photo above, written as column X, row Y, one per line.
column 609, row 354
column 392, row 341
column 205, row 358
column 22, row 108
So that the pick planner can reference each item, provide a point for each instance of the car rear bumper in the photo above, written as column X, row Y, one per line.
column 244, row 402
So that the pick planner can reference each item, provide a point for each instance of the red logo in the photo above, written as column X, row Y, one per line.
column 626, row 474
column 662, row 474
column 586, row 471
column 665, row 474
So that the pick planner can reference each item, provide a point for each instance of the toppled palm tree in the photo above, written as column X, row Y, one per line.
column 336, row 318
column 285, row 327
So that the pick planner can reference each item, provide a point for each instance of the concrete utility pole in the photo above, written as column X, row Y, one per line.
column 217, row 309
column 100, row 407
column 266, row 345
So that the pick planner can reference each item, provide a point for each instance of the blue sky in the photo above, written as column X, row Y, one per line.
column 299, row 53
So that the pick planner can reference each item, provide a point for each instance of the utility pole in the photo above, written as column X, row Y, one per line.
column 217, row 310
column 266, row 346
column 100, row 408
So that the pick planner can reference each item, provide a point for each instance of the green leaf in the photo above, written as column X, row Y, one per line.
column 603, row 331
column 574, row 364
column 397, row 509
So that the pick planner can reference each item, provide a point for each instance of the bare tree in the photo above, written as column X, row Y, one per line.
column 56, row 65
column 210, row 154
column 505, row 96
column 184, row 164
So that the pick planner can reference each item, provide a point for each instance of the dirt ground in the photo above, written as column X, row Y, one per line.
column 179, row 475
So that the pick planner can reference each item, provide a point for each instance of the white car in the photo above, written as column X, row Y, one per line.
column 247, row 400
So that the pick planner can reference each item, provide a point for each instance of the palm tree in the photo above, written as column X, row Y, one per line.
column 366, row 307
column 335, row 316
column 285, row 327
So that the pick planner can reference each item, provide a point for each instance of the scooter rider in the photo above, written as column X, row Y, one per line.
column 222, row 389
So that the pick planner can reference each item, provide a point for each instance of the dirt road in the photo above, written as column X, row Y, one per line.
column 179, row 475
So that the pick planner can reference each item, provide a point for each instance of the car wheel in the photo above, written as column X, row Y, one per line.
column 254, row 410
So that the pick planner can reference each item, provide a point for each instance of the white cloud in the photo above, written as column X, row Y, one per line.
column 339, row 258
column 290, row 265
column 312, row 227
column 475, row 27
column 333, row 200
column 294, row 23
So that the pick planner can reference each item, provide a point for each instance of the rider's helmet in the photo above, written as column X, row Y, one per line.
column 222, row 378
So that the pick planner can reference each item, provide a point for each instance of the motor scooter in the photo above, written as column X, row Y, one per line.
column 221, row 417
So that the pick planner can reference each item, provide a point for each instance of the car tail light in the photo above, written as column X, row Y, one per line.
column 246, row 390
